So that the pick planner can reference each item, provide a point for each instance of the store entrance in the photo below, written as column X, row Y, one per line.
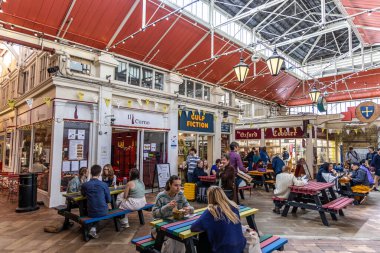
column 123, row 152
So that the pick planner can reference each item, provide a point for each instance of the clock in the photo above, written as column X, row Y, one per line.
column 322, row 104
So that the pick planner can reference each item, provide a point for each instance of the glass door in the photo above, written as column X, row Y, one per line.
column 24, row 147
column 205, row 147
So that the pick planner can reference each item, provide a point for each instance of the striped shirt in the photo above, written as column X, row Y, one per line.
column 161, row 209
column 191, row 162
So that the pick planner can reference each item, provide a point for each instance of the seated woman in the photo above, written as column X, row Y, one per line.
column 133, row 197
column 215, row 168
column 109, row 176
column 259, row 165
column 326, row 173
column 165, row 202
column 364, row 166
column 227, row 177
column 359, row 182
column 283, row 181
column 76, row 183
column 199, row 171
column 221, row 222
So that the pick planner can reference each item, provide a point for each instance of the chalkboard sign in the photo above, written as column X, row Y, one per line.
column 162, row 174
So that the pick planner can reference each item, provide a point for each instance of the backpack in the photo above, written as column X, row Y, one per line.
column 285, row 155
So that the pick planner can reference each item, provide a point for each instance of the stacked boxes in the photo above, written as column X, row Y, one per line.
column 189, row 191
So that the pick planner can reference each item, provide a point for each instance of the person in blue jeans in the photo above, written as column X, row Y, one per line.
column 221, row 222
column 98, row 196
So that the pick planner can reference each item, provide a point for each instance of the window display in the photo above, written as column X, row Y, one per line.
column 25, row 135
column 74, row 150
column 8, row 144
column 42, row 153
column 321, row 151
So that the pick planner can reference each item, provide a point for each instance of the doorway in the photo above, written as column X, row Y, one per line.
column 123, row 152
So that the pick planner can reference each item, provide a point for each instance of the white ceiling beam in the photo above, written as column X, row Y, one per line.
column 66, row 17
column 311, row 49
column 126, row 18
column 328, row 29
column 336, row 43
column 251, row 12
column 267, row 17
column 245, row 7
column 291, row 28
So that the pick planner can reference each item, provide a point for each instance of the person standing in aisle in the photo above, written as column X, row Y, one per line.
column 264, row 155
column 191, row 163
column 352, row 156
column 376, row 163
column 285, row 156
column 277, row 164
column 371, row 153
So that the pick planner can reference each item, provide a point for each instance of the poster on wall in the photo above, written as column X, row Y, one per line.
column 83, row 163
column 153, row 147
column 81, row 134
column 146, row 147
column 66, row 166
column 76, row 149
column 163, row 174
column 74, row 166
column 72, row 134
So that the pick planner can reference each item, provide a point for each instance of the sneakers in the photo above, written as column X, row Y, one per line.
column 363, row 200
column 93, row 233
column 125, row 225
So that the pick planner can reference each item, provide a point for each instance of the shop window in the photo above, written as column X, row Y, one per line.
column 74, row 150
column 190, row 89
column 206, row 93
column 43, row 68
column 32, row 75
column 198, row 90
column 42, row 153
column 8, row 142
column 134, row 75
column 147, row 78
column 121, row 72
column 23, row 83
column 24, row 147
column 182, row 88
column 159, row 81
column 154, row 152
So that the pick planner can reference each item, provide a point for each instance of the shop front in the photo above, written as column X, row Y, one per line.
column 196, row 130
column 225, row 137
column 139, row 140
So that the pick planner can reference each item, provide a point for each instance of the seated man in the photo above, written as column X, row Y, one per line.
column 98, row 195
column 358, row 175
column 283, row 181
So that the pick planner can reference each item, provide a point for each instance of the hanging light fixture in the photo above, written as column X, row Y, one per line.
column 241, row 70
column 314, row 94
column 274, row 63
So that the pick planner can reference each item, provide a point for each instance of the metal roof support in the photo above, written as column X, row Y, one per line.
column 162, row 37
column 143, row 22
column 368, row 27
column 190, row 51
column 311, row 49
column 131, row 10
column 291, row 28
column 211, row 20
column 66, row 17
column 242, row 9
column 350, row 41
column 328, row 29
column 268, row 16
column 336, row 43
column 252, row 11
column 323, row 12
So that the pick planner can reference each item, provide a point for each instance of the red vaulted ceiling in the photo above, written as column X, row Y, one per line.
column 368, row 25
column 94, row 22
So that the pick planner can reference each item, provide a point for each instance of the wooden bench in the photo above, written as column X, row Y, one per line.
column 268, row 243
column 338, row 204
column 247, row 187
column 114, row 214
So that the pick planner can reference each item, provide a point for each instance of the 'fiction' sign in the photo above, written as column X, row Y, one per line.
column 195, row 121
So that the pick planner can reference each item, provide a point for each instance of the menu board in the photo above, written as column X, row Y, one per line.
column 163, row 174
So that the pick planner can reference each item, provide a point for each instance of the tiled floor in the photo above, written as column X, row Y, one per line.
column 358, row 231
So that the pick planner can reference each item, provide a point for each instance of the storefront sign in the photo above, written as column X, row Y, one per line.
column 247, row 134
column 282, row 133
column 138, row 119
column 196, row 122
column 226, row 128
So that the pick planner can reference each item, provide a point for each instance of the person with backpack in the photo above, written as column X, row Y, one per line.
column 352, row 156
column 363, row 166
column 285, row 156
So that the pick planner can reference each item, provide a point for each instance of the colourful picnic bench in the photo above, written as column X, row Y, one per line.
column 180, row 231
column 314, row 196
column 263, row 178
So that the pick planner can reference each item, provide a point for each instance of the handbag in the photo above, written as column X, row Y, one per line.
column 244, row 176
column 253, row 240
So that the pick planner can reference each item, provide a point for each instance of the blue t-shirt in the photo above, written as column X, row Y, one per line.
column 214, row 168
column 224, row 237
column 98, row 195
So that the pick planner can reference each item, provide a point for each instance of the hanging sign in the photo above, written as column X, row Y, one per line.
column 247, row 134
column 196, row 122
column 226, row 128
column 283, row 133
column 365, row 112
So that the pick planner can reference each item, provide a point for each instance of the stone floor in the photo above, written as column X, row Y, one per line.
column 358, row 231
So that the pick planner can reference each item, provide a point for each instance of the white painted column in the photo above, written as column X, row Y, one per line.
column 262, row 139
column 217, row 149
column 55, row 196
column 309, row 151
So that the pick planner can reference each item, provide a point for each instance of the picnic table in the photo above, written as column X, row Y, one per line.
column 208, row 179
column 314, row 196
column 180, row 229
column 264, row 178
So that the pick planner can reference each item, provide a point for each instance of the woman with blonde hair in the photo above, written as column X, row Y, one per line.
column 221, row 222
column 108, row 175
